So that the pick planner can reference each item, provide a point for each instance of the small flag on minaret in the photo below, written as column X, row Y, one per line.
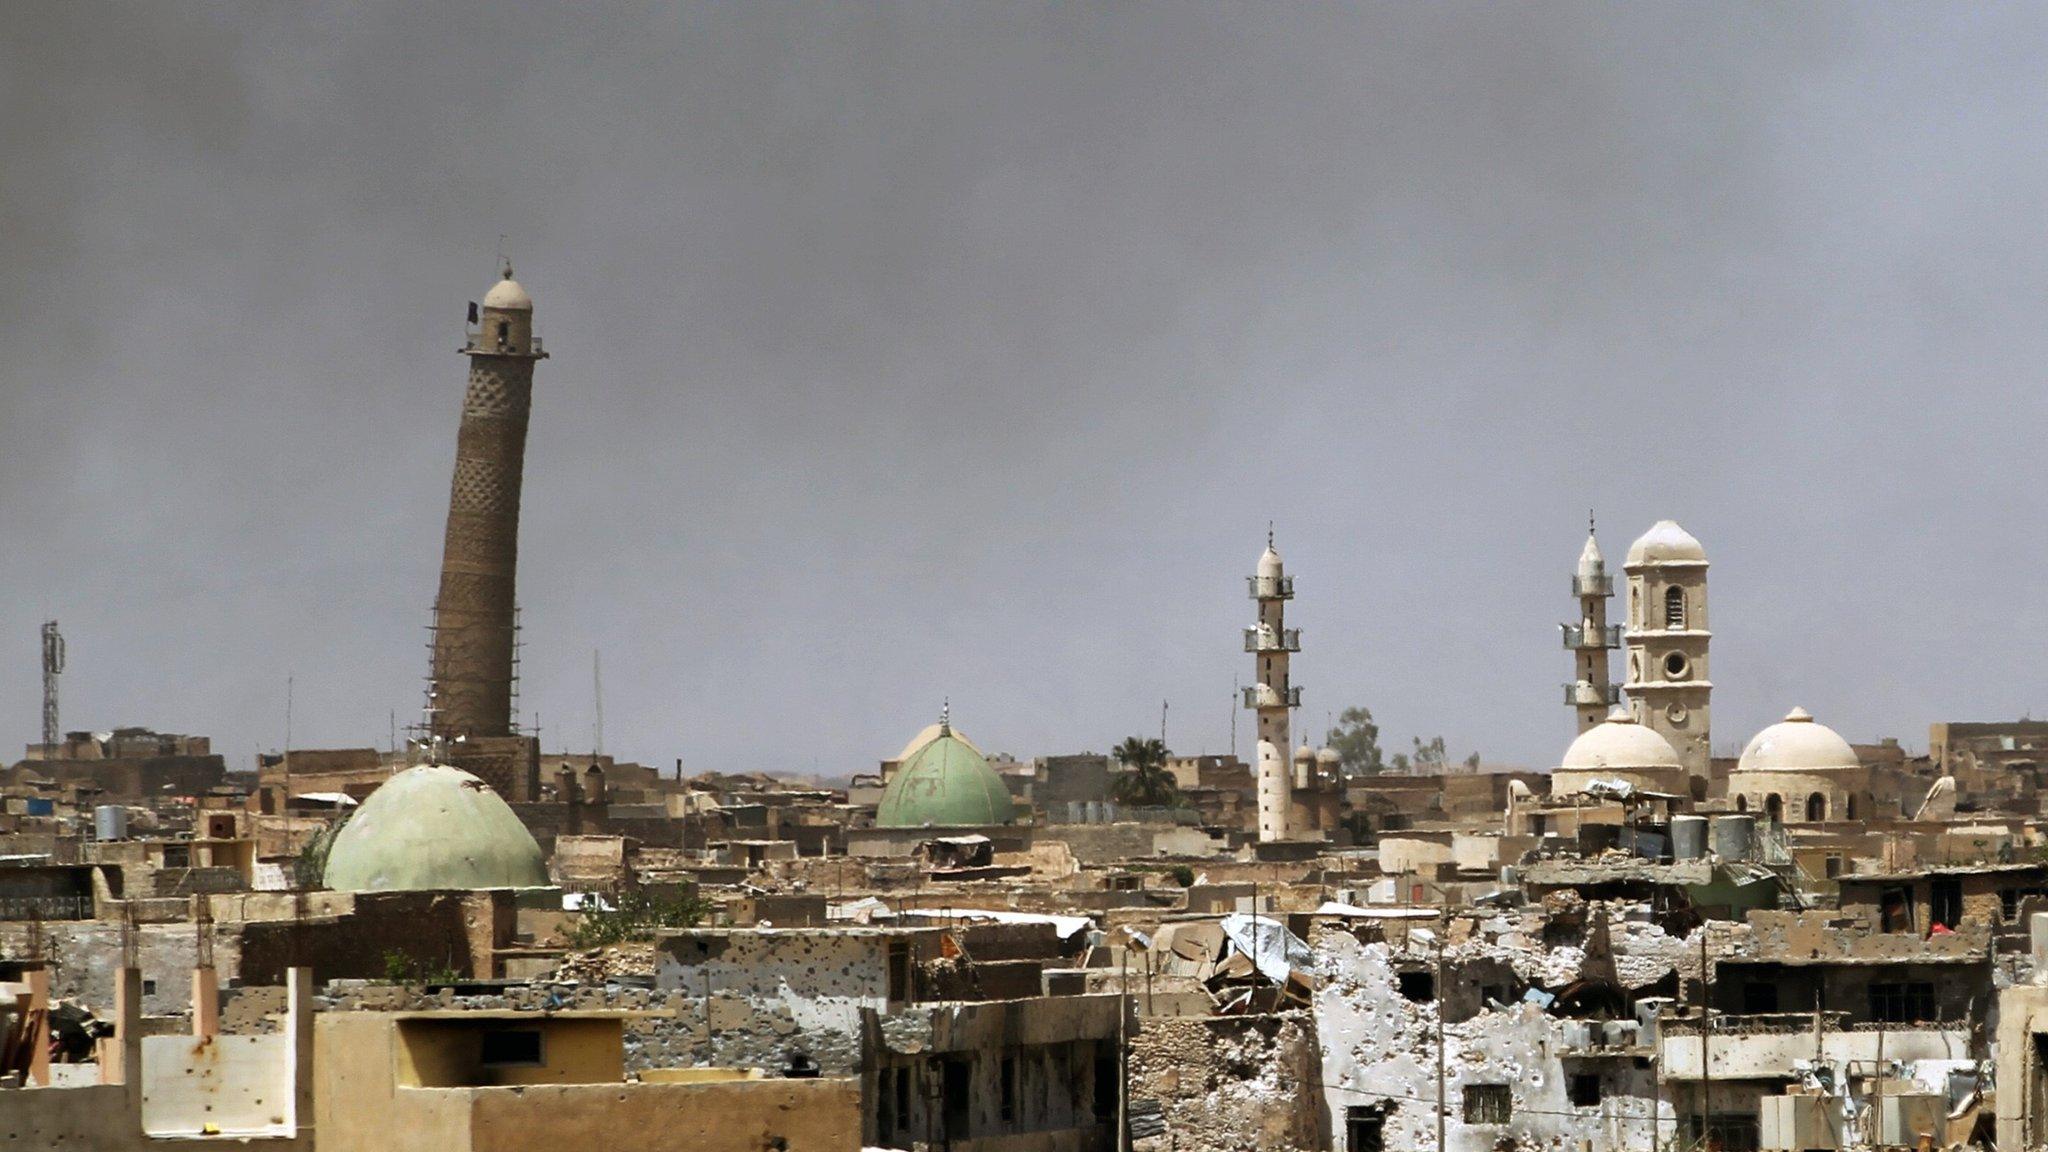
column 472, row 311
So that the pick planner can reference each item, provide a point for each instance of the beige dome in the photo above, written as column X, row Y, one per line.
column 1796, row 743
column 1665, row 543
column 1269, row 563
column 1304, row 754
column 507, row 295
column 1619, row 744
column 1328, row 755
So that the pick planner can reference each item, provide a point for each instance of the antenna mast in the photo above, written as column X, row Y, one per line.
column 1233, row 715
column 597, row 687
column 53, row 665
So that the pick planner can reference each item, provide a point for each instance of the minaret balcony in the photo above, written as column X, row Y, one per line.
column 1260, row 696
column 1271, row 587
column 1272, row 640
column 1578, row 636
column 475, row 342
column 1601, row 585
column 1586, row 694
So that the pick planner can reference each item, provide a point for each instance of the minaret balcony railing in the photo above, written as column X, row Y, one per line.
column 1601, row 585
column 1599, row 636
column 476, row 342
column 1269, row 640
column 1271, row 587
column 1260, row 696
column 1586, row 694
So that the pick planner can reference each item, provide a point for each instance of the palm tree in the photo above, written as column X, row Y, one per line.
column 1147, row 783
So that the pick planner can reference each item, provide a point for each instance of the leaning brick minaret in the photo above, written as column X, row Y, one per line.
column 474, row 625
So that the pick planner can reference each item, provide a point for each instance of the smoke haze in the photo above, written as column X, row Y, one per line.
column 912, row 351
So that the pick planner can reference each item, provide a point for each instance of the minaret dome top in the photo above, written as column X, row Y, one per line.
column 507, row 295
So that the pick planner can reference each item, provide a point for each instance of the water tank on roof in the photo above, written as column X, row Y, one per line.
column 110, row 822
column 1688, row 837
column 1735, row 837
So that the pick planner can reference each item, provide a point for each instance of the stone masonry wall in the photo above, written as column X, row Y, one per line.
column 1230, row 1083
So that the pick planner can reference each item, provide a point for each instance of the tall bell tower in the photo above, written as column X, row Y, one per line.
column 475, row 628
column 1668, row 687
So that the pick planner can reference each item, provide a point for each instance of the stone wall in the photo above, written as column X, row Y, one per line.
column 1228, row 1083
column 431, row 932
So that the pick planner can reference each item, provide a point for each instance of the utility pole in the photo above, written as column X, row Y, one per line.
column 1442, row 1106
column 1706, row 1065
column 1234, row 693
column 53, row 665
column 1123, row 1046
column 1162, row 723
column 287, row 806
column 597, row 687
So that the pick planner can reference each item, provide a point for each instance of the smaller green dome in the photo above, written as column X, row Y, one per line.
column 434, row 828
column 945, row 784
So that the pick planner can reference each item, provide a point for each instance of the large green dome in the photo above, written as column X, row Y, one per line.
column 945, row 784
column 434, row 828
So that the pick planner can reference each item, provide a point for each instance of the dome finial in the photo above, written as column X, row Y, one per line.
column 1269, row 533
column 946, row 717
column 1589, row 523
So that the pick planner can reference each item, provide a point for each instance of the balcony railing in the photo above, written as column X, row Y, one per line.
column 476, row 342
column 1258, row 639
column 1271, row 587
column 1602, row 585
column 1260, row 696
column 1580, row 636
column 1583, row 694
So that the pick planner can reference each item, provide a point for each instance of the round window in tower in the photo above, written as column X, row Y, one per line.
column 1676, row 666
column 1676, row 713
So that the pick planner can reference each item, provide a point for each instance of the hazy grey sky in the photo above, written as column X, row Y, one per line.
column 966, row 349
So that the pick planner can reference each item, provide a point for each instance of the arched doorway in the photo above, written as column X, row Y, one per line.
column 1816, row 808
column 1774, row 808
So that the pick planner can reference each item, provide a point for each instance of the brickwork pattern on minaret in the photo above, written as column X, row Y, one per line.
column 474, row 641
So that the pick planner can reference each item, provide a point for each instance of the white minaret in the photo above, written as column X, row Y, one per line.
column 1592, row 692
column 1668, row 686
column 1272, row 693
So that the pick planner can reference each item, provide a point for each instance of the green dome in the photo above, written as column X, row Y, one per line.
column 945, row 784
column 434, row 828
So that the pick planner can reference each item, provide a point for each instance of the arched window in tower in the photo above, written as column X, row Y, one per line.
column 1674, row 609
column 1816, row 808
column 1774, row 808
column 1742, row 803
column 504, row 333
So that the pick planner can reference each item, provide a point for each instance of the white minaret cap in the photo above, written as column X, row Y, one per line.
column 507, row 295
column 1304, row 754
column 1269, row 562
column 1591, row 563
